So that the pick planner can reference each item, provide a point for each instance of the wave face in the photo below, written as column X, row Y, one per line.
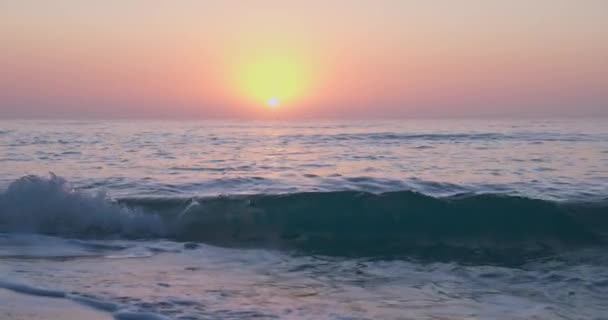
column 476, row 228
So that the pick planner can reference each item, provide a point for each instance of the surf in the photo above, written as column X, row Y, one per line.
column 484, row 228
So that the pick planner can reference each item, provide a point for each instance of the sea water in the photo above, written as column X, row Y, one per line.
column 425, row 219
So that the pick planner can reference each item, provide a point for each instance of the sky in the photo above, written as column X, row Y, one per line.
column 303, row 59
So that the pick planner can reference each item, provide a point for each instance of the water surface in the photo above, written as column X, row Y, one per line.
column 430, row 219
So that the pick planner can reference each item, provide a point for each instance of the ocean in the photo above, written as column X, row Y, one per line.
column 409, row 219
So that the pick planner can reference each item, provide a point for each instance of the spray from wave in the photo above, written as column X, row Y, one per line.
column 477, row 228
column 51, row 206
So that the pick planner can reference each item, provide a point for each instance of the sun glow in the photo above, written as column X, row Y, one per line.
column 273, row 102
column 273, row 80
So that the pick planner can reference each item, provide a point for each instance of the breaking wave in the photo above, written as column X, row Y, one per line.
column 476, row 228
column 51, row 206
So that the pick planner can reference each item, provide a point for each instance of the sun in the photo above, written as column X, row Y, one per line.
column 273, row 102
column 273, row 79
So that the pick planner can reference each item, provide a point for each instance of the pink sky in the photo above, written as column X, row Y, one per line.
column 355, row 59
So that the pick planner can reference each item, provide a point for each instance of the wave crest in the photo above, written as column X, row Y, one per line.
column 488, row 228
column 51, row 206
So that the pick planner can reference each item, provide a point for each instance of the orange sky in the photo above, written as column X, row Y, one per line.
column 337, row 59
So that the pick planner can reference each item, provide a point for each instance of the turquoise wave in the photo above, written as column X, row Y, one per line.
column 488, row 228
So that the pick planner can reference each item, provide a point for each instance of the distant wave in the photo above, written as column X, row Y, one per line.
column 479, row 228
column 518, row 136
column 236, row 168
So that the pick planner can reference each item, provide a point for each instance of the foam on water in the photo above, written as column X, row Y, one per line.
column 23, row 288
column 119, row 312
column 214, row 283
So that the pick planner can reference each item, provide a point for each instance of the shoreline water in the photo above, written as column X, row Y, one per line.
column 18, row 306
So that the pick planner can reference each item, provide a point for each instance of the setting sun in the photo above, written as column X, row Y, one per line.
column 273, row 102
column 320, row 159
column 273, row 80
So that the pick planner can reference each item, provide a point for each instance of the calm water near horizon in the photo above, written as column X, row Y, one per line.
column 411, row 219
column 552, row 159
